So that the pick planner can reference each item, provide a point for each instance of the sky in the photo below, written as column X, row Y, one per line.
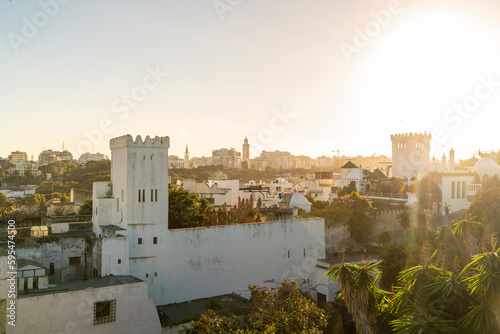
column 309, row 77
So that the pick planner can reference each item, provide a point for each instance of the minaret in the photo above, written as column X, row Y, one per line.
column 186, row 158
column 443, row 160
column 246, row 150
column 452, row 159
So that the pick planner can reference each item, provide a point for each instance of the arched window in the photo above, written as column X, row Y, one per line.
column 458, row 189
column 463, row 189
column 453, row 189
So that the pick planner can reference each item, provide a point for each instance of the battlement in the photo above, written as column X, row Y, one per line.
column 411, row 135
column 128, row 141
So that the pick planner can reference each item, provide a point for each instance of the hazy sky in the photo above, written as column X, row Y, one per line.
column 303, row 76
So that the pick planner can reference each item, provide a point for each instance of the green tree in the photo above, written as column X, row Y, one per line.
column 358, row 287
column 86, row 208
column 283, row 310
column 186, row 210
column 5, row 204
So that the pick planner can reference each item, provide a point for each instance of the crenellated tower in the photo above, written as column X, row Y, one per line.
column 131, row 212
column 410, row 152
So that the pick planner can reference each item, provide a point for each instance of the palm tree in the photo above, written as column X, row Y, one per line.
column 468, row 230
column 484, row 284
column 359, row 291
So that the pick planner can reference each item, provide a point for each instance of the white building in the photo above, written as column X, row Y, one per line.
column 86, row 157
column 130, row 215
column 17, row 156
column 226, row 158
column 217, row 192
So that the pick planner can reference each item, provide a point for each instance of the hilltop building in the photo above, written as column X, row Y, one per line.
column 18, row 156
column 227, row 158
column 49, row 156
column 86, row 157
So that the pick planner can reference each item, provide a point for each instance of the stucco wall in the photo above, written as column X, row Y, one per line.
column 73, row 312
column 206, row 262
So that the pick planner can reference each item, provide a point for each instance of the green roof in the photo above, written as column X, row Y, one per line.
column 470, row 162
column 23, row 263
column 349, row 164
column 378, row 174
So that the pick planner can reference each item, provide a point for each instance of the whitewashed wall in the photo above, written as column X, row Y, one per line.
column 206, row 262
column 73, row 312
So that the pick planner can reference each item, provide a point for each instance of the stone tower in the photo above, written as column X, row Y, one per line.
column 186, row 158
column 246, row 150
column 410, row 153
column 130, row 213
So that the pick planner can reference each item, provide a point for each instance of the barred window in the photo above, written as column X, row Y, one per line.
column 104, row 312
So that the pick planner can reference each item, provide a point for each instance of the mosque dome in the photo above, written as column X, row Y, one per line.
column 486, row 166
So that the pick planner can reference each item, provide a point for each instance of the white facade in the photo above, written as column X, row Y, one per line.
column 136, row 201
column 454, row 190
column 186, row 264
column 74, row 311
column 205, row 262
column 86, row 157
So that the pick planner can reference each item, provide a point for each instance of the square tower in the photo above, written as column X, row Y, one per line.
column 134, row 206
column 410, row 153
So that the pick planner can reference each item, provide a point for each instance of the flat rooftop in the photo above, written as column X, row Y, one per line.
column 91, row 283
column 186, row 311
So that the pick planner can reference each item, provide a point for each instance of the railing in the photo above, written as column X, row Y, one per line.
column 387, row 195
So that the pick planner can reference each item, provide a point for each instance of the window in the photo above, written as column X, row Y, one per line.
column 151, row 195
column 139, row 241
column 117, row 205
column 155, row 240
column 458, row 189
column 96, row 273
column 453, row 189
column 51, row 269
column 74, row 261
column 304, row 253
column 463, row 189
column 156, row 195
column 139, row 195
column 104, row 312
column 119, row 261
column 144, row 195
column 321, row 298
column 122, row 195
column 147, row 275
column 288, row 254
column 156, row 274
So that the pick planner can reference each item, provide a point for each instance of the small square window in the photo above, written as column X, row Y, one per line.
column 155, row 240
column 119, row 261
column 74, row 261
column 139, row 241
column 147, row 275
column 104, row 312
